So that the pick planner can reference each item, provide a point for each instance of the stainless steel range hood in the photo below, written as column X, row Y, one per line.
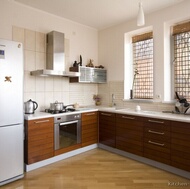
column 55, row 57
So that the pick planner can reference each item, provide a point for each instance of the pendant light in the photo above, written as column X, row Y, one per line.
column 140, row 16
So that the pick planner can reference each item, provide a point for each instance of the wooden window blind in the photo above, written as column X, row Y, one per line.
column 181, row 34
column 143, row 66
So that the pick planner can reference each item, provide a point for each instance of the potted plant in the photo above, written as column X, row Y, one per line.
column 97, row 99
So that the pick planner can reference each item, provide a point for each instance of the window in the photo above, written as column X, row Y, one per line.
column 143, row 66
column 182, row 59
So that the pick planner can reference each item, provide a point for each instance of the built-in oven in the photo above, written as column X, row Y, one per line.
column 67, row 130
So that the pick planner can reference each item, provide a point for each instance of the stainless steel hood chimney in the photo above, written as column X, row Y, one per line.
column 55, row 57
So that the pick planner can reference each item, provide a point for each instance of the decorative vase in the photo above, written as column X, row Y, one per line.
column 98, row 103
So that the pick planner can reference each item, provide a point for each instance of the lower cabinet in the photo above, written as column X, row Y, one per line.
column 161, row 140
column 89, row 128
column 129, row 133
column 180, row 145
column 157, row 139
column 39, row 140
column 107, row 128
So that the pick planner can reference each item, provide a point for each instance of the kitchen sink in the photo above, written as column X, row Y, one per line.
column 84, row 109
column 141, row 111
column 125, row 109
column 150, row 112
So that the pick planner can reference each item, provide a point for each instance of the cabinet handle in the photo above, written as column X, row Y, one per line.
column 89, row 114
column 68, row 122
column 156, row 143
column 106, row 114
column 43, row 121
column 155, row 132
column 125, row 117
column 154, row 121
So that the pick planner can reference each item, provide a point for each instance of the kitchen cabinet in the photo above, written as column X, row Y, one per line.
column 129, row 133
column 89, row 75
column 157, row 139
column 107, row 128
column 89, row 128
column 180, row 145
column 39, row 140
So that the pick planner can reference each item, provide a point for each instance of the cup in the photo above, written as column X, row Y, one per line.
column 138, row 108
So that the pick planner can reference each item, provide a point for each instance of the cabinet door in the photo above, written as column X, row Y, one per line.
column 107, row 128
column 82, row 77
column 89, row 72
column 89, row 75
column 89, row 128
column 180, row 145
column 129, row 133
column 157, row 139
column 39, row 141
column 99, row 76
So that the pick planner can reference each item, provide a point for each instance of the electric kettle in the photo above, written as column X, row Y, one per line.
column 30, row 106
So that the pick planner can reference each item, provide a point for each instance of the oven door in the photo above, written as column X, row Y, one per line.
column 67, row 134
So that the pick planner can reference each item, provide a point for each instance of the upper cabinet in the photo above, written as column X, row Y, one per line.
column 89, row 75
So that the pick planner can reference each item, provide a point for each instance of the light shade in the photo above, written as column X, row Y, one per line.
column 140, row 16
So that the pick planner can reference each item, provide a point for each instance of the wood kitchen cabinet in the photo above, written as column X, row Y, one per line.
column 180, row 145
column 107, row 128
column 157, row 139
column 39, row 140
column 129, row 133
column 89, row 128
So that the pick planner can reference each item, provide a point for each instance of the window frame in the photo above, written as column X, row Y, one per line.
column 179, row 59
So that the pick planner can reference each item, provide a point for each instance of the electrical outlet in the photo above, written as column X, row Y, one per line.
column 158, row 96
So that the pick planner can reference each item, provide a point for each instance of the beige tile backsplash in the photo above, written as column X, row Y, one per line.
column 18, row 34
column 29, row 40
column 45, row 90
column 40, row 60
column 29, row 60
column 117, row 88
column 40, row 42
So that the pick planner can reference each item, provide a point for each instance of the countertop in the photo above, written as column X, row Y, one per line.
column 41, row 115
column 151, row 114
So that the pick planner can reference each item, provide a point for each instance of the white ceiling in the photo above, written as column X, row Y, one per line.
column 98, row 14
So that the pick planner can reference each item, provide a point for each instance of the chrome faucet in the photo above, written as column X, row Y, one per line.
column 113, row 98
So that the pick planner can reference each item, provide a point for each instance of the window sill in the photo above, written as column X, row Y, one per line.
column 149, row 101
column 139, row 100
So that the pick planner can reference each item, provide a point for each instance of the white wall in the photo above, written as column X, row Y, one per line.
column 29, row 26
column 83, row 39
column 106, row 47
column 111, row 45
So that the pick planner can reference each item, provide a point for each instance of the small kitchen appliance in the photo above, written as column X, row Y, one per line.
column 30, row 106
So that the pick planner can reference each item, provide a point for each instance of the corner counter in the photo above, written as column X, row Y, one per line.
column 145, row 113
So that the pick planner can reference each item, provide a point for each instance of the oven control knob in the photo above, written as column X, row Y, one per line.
column 77, row 116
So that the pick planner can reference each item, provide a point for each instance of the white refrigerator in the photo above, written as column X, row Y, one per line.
column 11, row 111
